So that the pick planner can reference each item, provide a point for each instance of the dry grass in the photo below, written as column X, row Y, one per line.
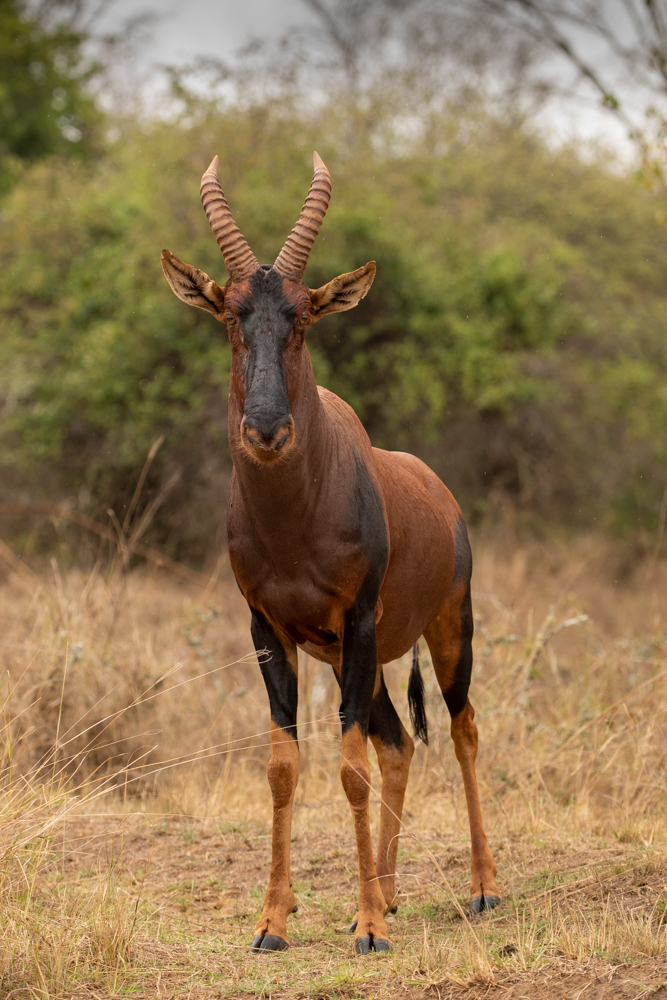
column 134, row 811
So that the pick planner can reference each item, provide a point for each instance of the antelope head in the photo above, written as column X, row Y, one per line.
column 266, row 309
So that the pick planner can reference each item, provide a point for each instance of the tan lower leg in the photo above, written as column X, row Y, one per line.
column 355, row 776
column 395, row 767
column 283, row 774
column 482, row 867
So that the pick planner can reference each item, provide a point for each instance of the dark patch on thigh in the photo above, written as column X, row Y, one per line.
column 462, row 552
column 456, row 695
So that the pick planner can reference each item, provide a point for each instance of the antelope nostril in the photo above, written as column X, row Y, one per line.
column 272, row 438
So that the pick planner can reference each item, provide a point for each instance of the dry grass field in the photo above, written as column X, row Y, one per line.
column 134, row 809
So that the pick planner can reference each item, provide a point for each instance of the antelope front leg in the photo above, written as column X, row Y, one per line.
column 279, row 669
column 394, row 748
column 357, row 682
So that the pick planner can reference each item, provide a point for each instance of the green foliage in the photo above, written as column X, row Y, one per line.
column 43, row 105
column 515, row 334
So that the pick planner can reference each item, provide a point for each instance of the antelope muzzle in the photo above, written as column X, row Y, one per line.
column 267, row 439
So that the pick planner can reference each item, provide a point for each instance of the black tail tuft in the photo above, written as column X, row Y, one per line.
column 416, row 698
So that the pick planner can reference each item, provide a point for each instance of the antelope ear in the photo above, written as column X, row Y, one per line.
column 344, row 292
column 192, row 285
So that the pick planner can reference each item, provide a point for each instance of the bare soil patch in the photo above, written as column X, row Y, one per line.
column 202, row 881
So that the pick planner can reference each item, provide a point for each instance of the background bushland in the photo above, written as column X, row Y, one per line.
column 515, row 336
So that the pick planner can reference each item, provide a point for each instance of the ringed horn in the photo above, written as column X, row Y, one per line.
column 292, row 259
column 239, row 259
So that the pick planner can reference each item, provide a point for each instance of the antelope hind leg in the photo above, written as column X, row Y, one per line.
column 449, row 637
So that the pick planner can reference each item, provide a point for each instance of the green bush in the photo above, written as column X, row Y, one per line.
column 515, row 334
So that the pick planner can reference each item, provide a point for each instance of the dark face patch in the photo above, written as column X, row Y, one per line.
column 266, row 321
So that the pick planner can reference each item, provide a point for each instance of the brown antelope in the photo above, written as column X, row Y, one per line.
column 343, row 550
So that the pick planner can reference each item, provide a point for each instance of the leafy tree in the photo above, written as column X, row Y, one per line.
column 45, row 108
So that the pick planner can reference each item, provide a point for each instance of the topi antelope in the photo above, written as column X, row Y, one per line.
column 346, row 551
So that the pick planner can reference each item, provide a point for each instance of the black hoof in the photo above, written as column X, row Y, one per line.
column 268, row 942
column 479, row 903
column 365, row 945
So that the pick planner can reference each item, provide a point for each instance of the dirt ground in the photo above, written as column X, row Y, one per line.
column 135, row 812
column 201, row 883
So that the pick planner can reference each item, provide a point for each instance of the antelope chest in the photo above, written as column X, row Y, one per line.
column 302, row 593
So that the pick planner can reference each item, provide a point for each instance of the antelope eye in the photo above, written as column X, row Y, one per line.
column 304, row 317
column 230, row 319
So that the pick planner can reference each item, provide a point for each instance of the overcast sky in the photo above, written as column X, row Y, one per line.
column 209, row 27
column 222, row 27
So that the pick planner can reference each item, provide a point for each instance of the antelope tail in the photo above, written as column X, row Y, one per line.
column 416, row 698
